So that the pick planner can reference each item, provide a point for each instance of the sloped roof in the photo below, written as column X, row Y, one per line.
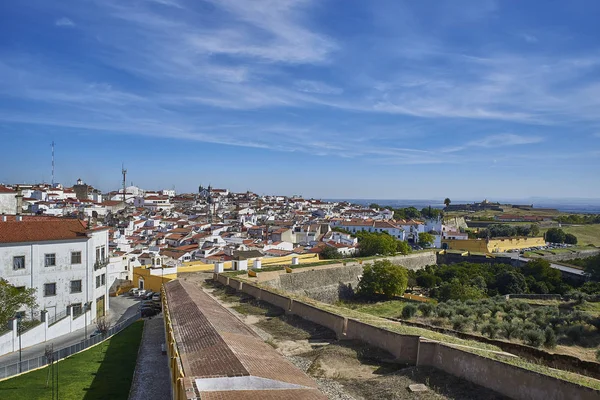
column 41, row 230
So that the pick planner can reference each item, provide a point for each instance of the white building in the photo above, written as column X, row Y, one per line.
column 154, row 203
column 8, row 200
column 61, row 259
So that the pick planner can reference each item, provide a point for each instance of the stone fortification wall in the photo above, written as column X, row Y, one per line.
column 572, row 256
column 326, row 285
column 332, row 284
column 509, row 380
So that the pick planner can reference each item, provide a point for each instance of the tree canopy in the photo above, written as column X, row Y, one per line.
column 370, row 244
column 447, row 202
column 383, row 278
column 555, row 235
column 426, row 239
column 12, row 299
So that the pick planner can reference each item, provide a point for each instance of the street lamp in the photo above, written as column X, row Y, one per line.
column 19, row 333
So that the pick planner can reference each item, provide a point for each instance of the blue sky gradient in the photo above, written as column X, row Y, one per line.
column 333, row 99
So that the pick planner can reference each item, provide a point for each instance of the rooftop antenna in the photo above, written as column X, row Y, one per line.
column 124, row 172
column 53, row 163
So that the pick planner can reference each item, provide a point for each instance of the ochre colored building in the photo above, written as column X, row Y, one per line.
column 497, row 245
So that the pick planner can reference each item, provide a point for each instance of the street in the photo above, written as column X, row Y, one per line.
column 120, row 308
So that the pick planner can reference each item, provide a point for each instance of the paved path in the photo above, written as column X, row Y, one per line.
column 151, row 379
column 120, row 308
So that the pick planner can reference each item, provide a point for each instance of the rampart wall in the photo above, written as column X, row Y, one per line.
column 506, row 379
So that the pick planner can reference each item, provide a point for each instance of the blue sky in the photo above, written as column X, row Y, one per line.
column 358, row 99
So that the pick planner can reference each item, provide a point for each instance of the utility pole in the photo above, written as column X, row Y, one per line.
column 53, row 163
column 124, row 172
column 19, row 332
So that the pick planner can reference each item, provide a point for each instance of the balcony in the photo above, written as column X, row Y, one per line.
column 100, row 263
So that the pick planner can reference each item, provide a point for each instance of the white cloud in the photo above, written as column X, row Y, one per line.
column 529, row 38
column 495, row 141
column 317, row 87
column 64, row 21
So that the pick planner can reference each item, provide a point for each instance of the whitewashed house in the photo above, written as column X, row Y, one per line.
column 59, row 257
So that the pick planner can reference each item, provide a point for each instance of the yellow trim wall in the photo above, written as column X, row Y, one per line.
column 151, row 282
column 493, row 245
column 198, row 266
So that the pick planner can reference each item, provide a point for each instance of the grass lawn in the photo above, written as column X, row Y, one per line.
column 390, row 308
column 101, row 372
column 586, row 234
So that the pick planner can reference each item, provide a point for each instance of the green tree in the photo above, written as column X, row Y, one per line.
column 12, row 299
column 374, row 205
column 383, row 277
column 412, row 212
column 570, row 238
column 330, row 253
column 541, row 271
column 447, row 202
column 456, row 290
column 426, row 239
column 535, row 229
column 511, row 282
column 555, row 235
column 402, row 247
column 371, row 244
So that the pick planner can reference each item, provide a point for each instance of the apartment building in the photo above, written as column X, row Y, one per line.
column 59, row 257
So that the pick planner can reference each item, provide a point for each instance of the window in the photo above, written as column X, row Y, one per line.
column 50, row 289
column 19, row 262
column 76, row 309
column 50, row 260
column 103, row 276
column 97, row 281
column 75, row 257
column 76, row 286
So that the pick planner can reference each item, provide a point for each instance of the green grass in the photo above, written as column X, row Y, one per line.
column 586, row 234
column 101, row 372
column 391, row 308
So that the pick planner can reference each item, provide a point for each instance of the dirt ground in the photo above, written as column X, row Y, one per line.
column 342, row 369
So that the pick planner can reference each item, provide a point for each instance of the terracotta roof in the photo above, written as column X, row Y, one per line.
column 4, row 189
column 41, row 230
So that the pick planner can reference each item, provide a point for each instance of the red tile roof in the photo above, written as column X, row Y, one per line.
column 4, row 189
column 41, row 230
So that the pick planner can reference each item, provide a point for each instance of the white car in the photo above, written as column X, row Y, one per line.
column 140, row 293
column 133, row 291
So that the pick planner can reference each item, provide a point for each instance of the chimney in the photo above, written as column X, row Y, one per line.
column 3, row 217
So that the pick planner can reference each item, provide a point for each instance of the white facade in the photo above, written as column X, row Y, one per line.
column 63, row 272
column 8, row 202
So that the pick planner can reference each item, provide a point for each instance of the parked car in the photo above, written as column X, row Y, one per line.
column 148, row 295
column 148, row 312
column 133, row 291
column 156, row 297
column 141, row 293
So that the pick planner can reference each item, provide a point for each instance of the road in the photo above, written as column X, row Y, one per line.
column 120, row 308
column 560, row 267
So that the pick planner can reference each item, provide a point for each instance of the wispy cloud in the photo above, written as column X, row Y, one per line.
column 64, row 22
column 495, row 141
column 529, row 38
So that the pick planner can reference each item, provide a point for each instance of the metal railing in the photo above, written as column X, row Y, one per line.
column 33, row 363
column 57, row 317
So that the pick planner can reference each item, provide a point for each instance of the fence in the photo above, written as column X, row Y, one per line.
column 33, row 363
column 57, row 317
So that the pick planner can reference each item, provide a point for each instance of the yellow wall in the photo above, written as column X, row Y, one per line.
column 198, row 266
column 151, row 282
column 494, row 245
column 502, row 245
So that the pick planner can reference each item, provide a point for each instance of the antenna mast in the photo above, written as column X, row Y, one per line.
column 124, row 172
column 53, row 163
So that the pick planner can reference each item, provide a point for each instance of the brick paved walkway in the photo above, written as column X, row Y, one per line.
column 151, row 380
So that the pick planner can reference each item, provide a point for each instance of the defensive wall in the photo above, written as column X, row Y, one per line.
column 572, row 256
column 506, row 379
column 498, row 245
column 332, row 284
column 451, row 257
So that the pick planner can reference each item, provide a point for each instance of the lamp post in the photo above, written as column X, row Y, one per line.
column 19, row 333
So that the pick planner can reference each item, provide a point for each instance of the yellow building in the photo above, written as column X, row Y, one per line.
column 497, row 245
column 152, row 278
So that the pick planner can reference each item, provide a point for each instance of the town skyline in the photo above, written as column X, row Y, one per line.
column 333, row 99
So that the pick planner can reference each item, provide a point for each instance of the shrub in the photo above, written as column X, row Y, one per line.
column 443, row 311
column 426, row 280
column 550, row 338
column 460, row 323
column 575, row 332
column 480, row 312
column 534, row 337
column 490, row 329
column 464, row 310
column 598, row 355
column 510, row 330
column 426, row 309
column 409, row 311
